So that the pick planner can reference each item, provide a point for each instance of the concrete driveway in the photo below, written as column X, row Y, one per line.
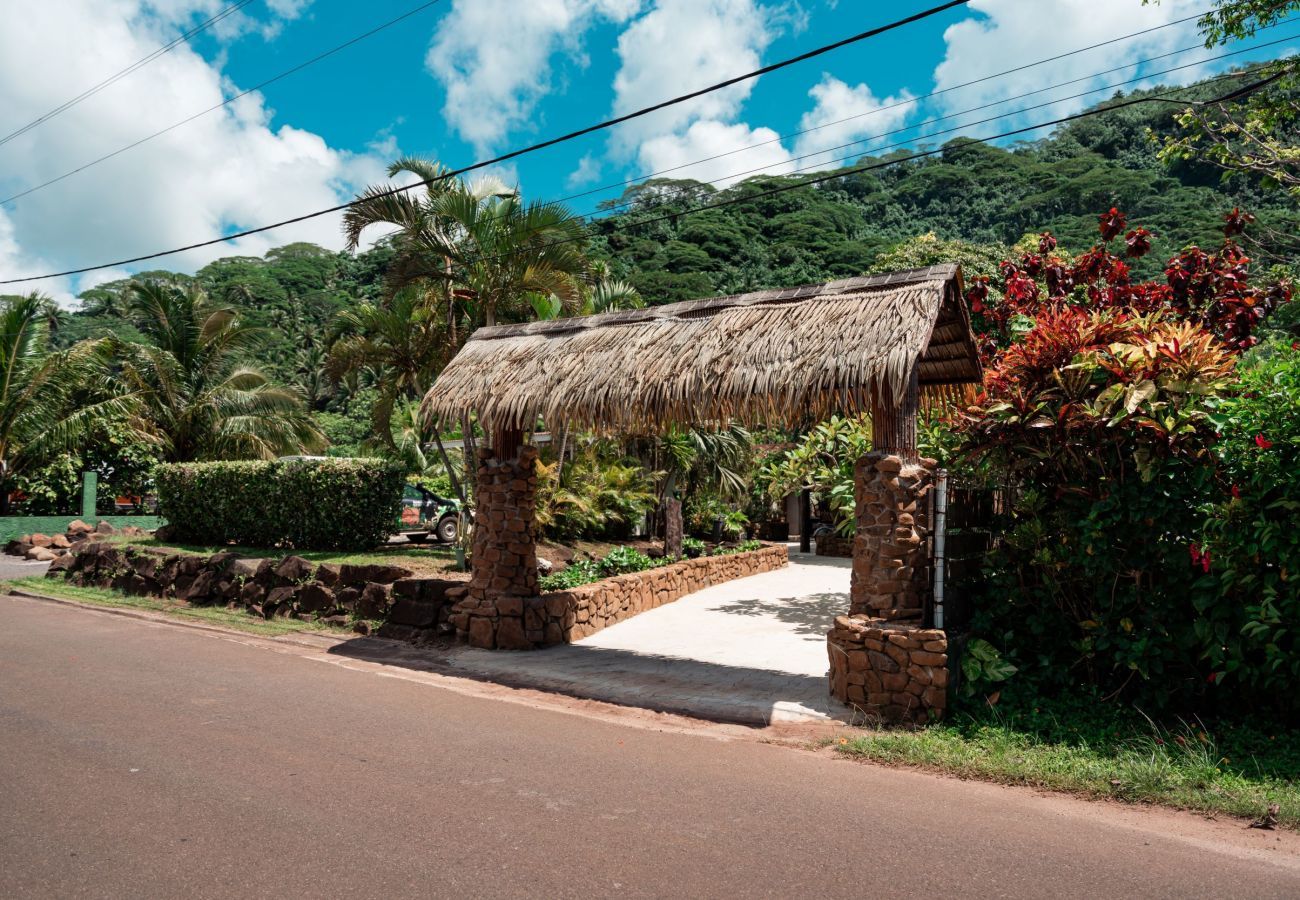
column 751, row 650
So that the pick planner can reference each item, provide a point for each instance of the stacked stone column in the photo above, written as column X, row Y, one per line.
column 891, row 552
column 882, row 662
column 491, row 612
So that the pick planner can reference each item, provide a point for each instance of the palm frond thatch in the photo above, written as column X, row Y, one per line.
column 774, row 357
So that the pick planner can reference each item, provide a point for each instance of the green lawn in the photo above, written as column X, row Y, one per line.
column 1097, row 750
column 212, row 615
column 12, row 527
column 421, row 559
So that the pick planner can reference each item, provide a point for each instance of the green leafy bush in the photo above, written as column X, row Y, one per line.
column 742, row 547
column 1248, row 559
column 336, row 504
column 622, row 560
column 578, row 572
column 692, row 547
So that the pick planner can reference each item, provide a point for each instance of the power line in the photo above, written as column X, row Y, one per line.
column 532, row 148
column 937, row 119
column 223, row 103
column 117, row 76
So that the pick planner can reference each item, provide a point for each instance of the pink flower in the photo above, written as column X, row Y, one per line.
column 1262, row 442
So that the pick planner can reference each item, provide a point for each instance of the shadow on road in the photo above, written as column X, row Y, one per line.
column 743, row 695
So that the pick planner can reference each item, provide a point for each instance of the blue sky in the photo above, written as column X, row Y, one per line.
column 468, row 79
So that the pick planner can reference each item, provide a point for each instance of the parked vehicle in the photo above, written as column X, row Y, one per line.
column 426, row 514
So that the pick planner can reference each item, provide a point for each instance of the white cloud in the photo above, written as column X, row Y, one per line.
column 682, row 45
column 493, row 58
column 842, row 114
column 709, row 138
column 587, row 171
column 1011, row 32
column 225, row 171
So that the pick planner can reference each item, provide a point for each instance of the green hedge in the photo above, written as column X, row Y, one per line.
column 331, row 504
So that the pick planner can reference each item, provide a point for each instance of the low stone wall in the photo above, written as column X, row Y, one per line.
column 47, row 547
column 893, row 670
column 831, row 544
column 410, row 608
column 524, row 623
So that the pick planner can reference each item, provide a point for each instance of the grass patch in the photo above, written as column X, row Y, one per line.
column 422, row 560
column 212, row 615
column 1081, row 749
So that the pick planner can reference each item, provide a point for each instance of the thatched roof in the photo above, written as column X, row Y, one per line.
column 775, row 357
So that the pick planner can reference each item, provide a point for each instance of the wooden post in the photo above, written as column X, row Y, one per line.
column 89, row 492
column 893, row 424
column 506, row 442
column 805, row 521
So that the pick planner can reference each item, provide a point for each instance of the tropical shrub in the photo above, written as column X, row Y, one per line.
column 1100, row 417
column 823, row 461
column 622, row 560
column 1246, row 562
column 596, row 494
column 334, row 504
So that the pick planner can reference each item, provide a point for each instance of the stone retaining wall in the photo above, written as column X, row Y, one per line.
column 524, row 623
column 410, row 608
column 892, row 670
column 832, row 544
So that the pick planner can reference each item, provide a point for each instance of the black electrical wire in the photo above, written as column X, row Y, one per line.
column 931, row 95
column 869, row 138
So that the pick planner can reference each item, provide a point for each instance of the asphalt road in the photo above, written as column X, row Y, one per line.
column 148, row 760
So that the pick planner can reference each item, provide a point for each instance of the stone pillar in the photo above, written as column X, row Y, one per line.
column 891, row 559
column 893, row 671
column 495, row 608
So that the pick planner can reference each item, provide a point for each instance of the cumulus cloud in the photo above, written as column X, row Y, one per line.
column 677, row 152
column 1003, row 33
column 223, row 172
column 842, row 114
column 681, row 45
column 587, row 171
column 494, row 58
column 678, row 46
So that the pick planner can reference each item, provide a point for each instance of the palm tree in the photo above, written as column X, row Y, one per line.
column 44, row 408
column 196, row 399
column 401, row 342
column 479, row 242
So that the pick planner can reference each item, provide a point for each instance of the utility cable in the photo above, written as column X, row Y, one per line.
column 924, row 154
column 914, row 100
column 608, row 123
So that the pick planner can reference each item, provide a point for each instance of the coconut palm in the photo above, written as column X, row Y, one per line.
column 504, row 251
column 48, row 400
column 402, row 342
column 196, row 398
column 479, row 242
